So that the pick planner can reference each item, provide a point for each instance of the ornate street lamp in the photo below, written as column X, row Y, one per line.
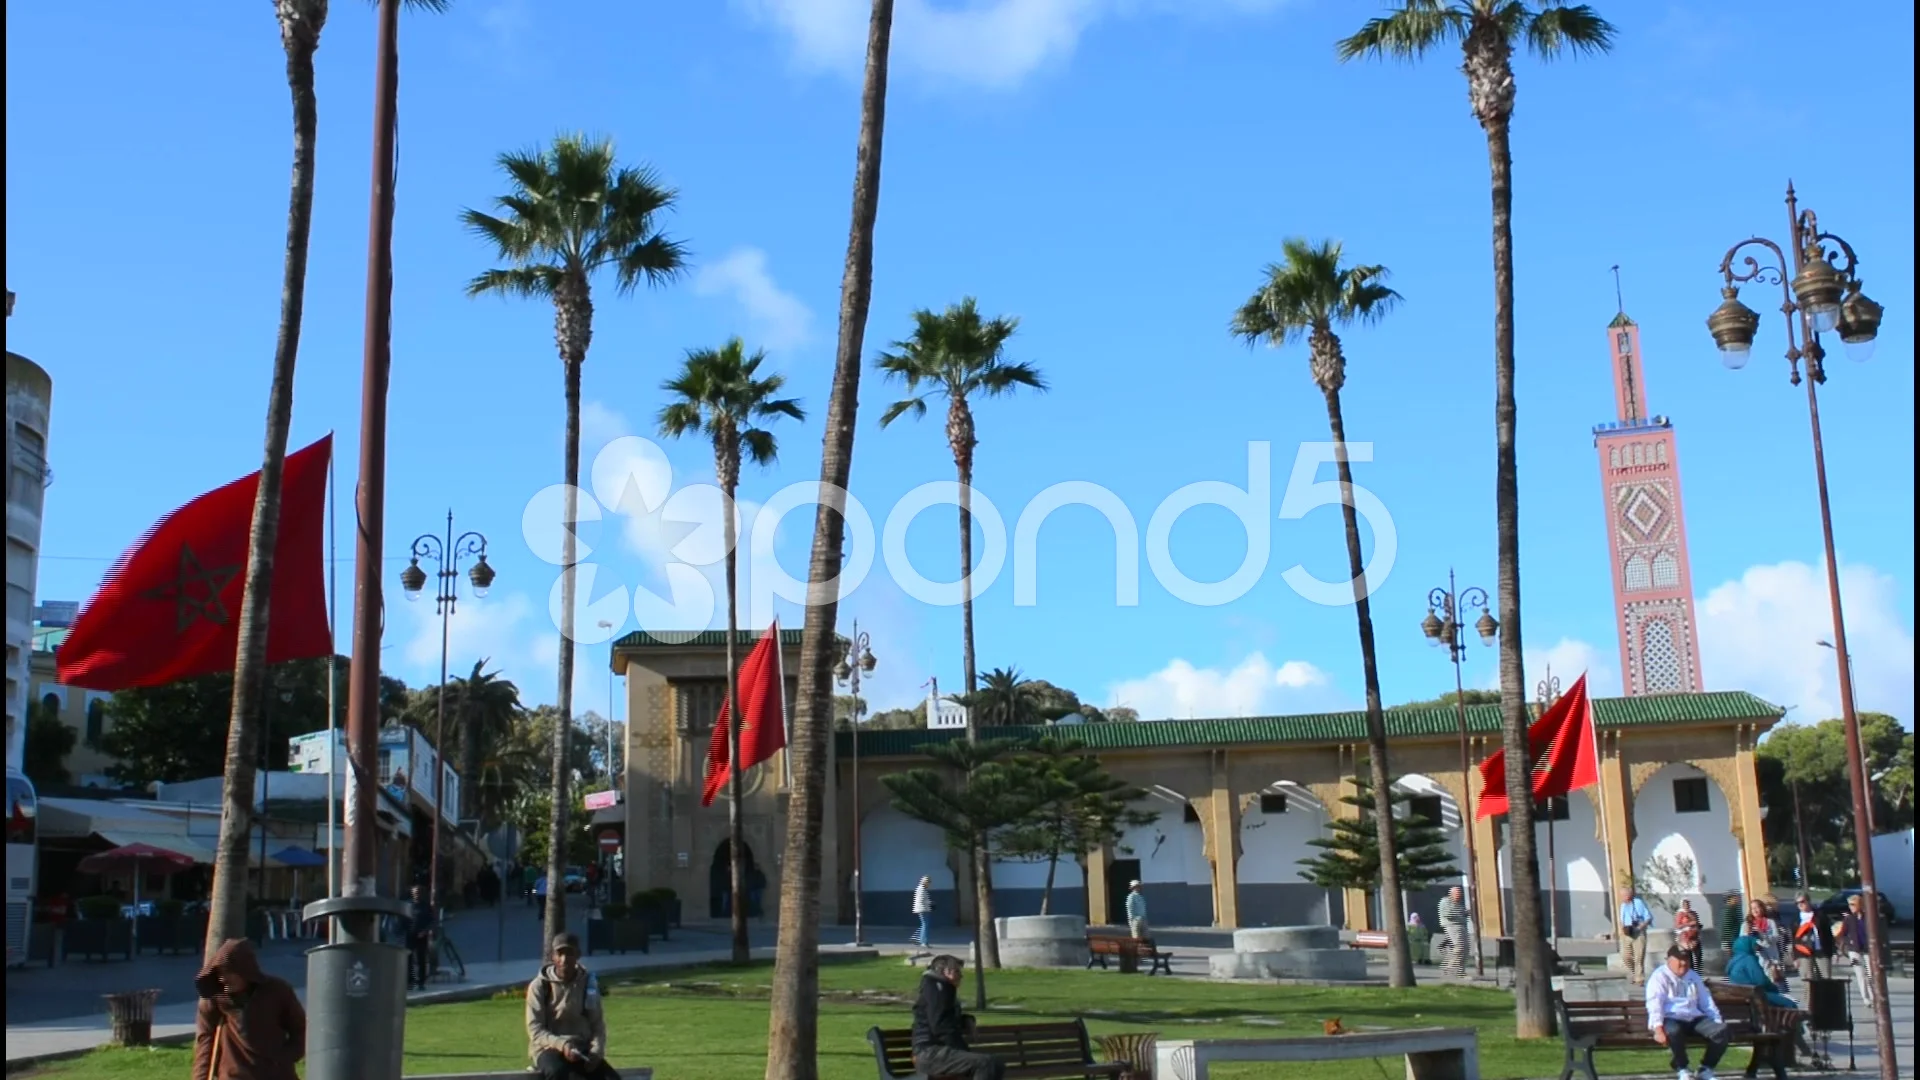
column 1442, row 627
column 1820, row 291
column 847, row 671
column 446, row 553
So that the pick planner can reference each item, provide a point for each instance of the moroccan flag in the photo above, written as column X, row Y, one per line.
column 1565, row 757
column 170, row 608
column 763, row 707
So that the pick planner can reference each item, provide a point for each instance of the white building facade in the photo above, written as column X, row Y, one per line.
column 29, row 407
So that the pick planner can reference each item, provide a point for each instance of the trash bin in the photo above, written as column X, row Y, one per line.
column 132, row 1016
column 1135, row 1049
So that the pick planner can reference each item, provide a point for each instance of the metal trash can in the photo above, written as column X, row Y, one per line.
column 356, row 1011
column 132, row 1016
column 1136, row 1049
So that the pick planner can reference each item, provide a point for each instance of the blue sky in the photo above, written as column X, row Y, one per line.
column 1115, row 174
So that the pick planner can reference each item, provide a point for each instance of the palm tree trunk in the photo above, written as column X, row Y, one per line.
column 469, row 747
column 793, row 1035
column 556, row 916
column 986, row 943
column 1399, row 955
column 1532, row 991
column 736, row 787
column 1046, row 894
column 227, row 912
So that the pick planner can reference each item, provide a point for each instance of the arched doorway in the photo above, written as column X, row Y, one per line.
column 720, row 883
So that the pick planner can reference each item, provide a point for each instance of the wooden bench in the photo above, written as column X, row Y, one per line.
column 1130, row 951
column 1430, row 1053
column 1030, row 1052
column 519, row 1074
column 1369, row 939
column 1587, row 1027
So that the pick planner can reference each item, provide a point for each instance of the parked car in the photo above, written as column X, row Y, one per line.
column 1836, row 905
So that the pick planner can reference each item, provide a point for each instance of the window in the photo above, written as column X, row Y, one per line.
column 1666, row 571
column 1690, row 795
column 1426, row 808
column 1191, row 815
column 1626, row 342
column 1552, row 809
column 96, row 721
column 1660, row 660
column 1660, row 453
column 697, row 704
column 1637, row 574
column 1273, row 802
column 1613, row 457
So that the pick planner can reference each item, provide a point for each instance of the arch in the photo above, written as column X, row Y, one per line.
column 1168, row 856
column 1666, row 570
column 1277, row 824
column 1433, row 798
column 720, row 882
column 1576, row 878
column 1680, row 811
column 1637, row 575
column 895, row 852
column 96, row 721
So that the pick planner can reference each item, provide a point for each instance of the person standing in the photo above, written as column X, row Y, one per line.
column 923, row 912
column 1729, row 922
column 1851, row 942
column 249, row 1025
column 566, row 1025
column 1812, row 941
column 420, row 926
column 1764, row 932
column 1680, row 1007
column 1635, row 919
column 1686, row 932
column 1136, row 911
column 1454, row 923
column 939, row 1027
column 540, row 897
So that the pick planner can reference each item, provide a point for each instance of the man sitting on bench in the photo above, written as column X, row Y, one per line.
column 939, row 1028
column 1680, row 1005
column 566, row 1026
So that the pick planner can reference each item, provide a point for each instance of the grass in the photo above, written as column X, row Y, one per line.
column 710, row 1023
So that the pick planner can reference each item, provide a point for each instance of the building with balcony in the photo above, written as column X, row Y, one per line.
column 29, row 409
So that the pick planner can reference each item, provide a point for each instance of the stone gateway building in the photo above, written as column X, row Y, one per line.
column 1235, row 802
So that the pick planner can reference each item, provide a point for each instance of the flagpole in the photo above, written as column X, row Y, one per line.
column 333, row 719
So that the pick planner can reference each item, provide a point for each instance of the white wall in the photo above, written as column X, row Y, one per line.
column 1011, row 874
column 1272, row 845
column 1171, row 849
column 896, row 851
column 1705, row 837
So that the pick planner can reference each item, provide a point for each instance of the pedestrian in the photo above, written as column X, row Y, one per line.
column 1729, row 924
column 1680, row 1007
column 420, row 926
column 540, row 896
column 249, row 1025
column 1850, row 941
column 939, row 1028
column 1764, row 931
column 1136, row 911
column 1454, row 924
column 1812, row 940
column 1686, row 932
column 923, row 912
column 566, row 1024
column 1635, row 919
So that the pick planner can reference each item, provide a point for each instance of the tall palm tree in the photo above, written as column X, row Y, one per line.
column 956, row 354
column 719, row 393
column 488, row 706
column 793, row 1022
column 1306, row 295
column 1005, row 699
column 571, row 212
column 1488, row 31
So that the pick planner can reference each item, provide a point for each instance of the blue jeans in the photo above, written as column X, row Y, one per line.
column 925, row 933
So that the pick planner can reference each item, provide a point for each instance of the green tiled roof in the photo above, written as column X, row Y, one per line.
column 1341, row 727
column 1619, row 321
column 680, row 639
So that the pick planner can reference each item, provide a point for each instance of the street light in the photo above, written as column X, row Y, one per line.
column 446, row 553
column 847, row 671
column 1823, row 290
column 1859, row 747
column 1442, row 627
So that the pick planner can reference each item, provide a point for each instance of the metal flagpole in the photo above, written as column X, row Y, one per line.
column 333, row 717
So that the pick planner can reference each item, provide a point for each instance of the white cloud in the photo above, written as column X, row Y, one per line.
column 777, row 317
column 1566, row 660
column 1254, row 687
column 497, row 629
column 1761, row 633
column 985, row 43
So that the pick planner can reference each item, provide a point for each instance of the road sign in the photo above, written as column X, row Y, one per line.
column 609, row 840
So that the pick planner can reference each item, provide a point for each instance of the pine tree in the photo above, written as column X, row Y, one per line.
column 1350, row 858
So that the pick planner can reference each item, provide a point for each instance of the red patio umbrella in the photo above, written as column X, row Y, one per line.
column 137, row 860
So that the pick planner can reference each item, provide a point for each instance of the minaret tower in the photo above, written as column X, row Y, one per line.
column 1646, row 531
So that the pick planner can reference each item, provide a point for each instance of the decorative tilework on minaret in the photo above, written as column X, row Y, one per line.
column 1646, row 531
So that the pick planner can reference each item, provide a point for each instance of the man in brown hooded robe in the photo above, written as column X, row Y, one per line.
column 250, row 1025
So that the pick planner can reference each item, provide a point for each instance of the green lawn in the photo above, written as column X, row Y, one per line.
column 710, row 1023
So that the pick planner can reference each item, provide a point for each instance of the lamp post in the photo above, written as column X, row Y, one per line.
column 1858, row 737
column 1544, row 694
column 1442, row 627
column 1820, row 292
column 859, row 660
column 446, row 553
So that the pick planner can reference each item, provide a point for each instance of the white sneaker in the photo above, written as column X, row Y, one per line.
column 1704, row 1074
column 1686, row 1074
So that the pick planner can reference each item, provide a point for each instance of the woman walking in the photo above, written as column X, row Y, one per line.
column 923, row 913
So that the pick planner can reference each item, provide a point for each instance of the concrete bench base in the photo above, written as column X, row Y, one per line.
column 519, row 1075
column 1430, row 1053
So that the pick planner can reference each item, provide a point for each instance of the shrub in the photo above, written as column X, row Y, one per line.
column 99, row 907
column 613, row 911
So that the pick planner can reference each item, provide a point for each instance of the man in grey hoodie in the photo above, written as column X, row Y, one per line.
column 566, row 1025
column 939, row 1028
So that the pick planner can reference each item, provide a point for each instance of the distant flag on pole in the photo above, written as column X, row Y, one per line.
column 763, row 713
column 1565, row 755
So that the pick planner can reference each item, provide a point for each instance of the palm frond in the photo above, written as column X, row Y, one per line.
column 518, row 281
column 1578, row 29
column 1408, row 32
column 1005, row 378
column 715, row 392
column 761, row 447
column 915, row 405
column 1308, row 289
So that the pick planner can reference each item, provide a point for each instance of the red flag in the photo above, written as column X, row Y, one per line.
column 763, row 707
column 1565, row 756
column 170, row 608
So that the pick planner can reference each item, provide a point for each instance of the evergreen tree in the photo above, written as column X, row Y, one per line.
column 1080, row 806
column 1350, row 858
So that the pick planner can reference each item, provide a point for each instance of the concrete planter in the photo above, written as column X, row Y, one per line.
column 1042, row 941
column 1289, row 952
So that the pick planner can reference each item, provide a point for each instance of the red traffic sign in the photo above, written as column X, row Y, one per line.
column 610, row 841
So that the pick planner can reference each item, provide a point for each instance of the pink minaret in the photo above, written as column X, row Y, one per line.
column 1646, row 531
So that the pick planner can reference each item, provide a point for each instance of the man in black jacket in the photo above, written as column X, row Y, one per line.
column 939, row 1029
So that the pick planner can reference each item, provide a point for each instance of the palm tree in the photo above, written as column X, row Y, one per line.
column 956, row 355
column 488, row 707
column 1307, row 295
column 1488, row 31
column 718, row 393
column 1004, row 699
column 793, row 1021
column 571, row 212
